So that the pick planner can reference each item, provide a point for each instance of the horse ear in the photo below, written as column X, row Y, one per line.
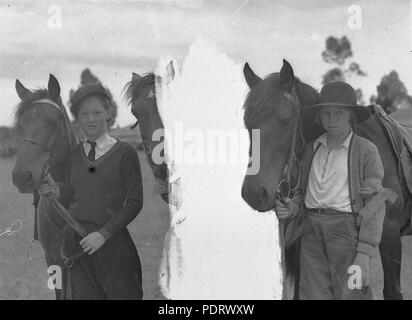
column 22, row 92
column 53, row 87
column 135, row 76
column 170, row 70
column 287, row 77
column 251, row 78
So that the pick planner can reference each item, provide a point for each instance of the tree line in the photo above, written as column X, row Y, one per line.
column 391, row 93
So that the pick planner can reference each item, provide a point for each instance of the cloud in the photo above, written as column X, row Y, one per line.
column 114, row 36
column 11, row 62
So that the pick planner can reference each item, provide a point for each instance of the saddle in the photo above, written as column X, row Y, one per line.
column 400, row 138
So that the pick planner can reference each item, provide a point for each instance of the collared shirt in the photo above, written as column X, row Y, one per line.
column 103, row 144
column 328, row 185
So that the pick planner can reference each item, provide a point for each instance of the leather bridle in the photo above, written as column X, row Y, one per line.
column 284, row 189
column 72, row 140
column 49, row 146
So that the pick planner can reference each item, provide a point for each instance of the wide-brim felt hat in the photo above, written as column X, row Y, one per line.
column 93, row 89
column 339, row 94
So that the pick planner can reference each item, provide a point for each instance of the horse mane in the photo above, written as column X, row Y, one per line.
column 307, row 94
column 134, row 87
column 260, row 100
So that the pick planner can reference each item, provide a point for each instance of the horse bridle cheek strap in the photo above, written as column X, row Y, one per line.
column 53, row 140
column 287, row 172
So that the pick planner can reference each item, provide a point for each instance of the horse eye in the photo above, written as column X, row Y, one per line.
column 53, row 123
column 284, row 122
column 19, row 128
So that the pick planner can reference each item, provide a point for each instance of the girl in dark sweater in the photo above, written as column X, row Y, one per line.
column 105, row 195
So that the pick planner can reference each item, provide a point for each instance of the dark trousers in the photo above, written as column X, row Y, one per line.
column 328, row 248
column 113, row 272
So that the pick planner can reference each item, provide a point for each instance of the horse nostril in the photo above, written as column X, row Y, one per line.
column 243, row 193
column 23, row 178
column 27, row 177
column 256, row 197
column 264, row 196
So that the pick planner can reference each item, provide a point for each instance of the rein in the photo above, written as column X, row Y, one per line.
column 57, row 206
column 284, row 189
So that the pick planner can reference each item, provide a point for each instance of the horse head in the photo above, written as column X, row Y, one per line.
column 42, row 121
column 141, row 93
column 272, row 106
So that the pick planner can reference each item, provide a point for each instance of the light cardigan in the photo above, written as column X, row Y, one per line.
column 365, row 171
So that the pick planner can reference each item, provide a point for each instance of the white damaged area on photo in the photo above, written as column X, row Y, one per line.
column 221, row 248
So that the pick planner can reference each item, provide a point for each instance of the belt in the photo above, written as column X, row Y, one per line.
column 330, row 211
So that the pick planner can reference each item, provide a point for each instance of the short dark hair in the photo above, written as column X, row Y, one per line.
column 91, row 89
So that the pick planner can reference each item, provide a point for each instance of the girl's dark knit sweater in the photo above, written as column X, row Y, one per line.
column 107, row 192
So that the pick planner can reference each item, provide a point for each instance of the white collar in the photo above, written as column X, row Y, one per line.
column 103, row 140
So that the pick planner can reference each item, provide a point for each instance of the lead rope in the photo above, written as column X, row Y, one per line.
column 72, row 140
column 288, row 287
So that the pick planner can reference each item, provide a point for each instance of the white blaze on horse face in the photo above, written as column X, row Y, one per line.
column 216, row 242
column 151, row 94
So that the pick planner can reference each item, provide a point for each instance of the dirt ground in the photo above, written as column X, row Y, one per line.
column 21, row 278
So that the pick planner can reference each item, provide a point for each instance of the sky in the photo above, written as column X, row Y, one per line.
column 114, row 38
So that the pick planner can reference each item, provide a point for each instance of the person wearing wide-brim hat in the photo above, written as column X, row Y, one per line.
column 337, row 94
column 341, row 171
column 106, row 194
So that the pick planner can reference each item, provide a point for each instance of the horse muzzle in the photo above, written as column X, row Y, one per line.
column 23, row 180
column 258, row 198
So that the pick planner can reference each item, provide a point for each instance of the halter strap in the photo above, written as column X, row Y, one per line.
column 72, row 138
column 287, row 171
column 292, row 155
column 50, row 102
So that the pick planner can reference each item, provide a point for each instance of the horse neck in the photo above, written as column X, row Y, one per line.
column 159, row 170
column 307, row 96
column 59, row 171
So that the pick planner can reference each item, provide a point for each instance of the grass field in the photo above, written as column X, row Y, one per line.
column 24, row 279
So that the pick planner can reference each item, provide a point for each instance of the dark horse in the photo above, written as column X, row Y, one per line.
column 141, row 94
column 47, row 140
column 273, row 106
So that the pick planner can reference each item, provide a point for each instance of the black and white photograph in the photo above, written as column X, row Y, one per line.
column 205, row 150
